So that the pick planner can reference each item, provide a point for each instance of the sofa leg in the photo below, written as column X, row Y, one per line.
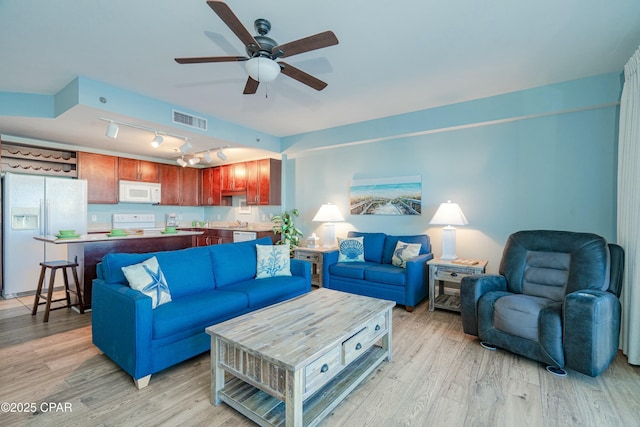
column 142, row 382
column 408, row 308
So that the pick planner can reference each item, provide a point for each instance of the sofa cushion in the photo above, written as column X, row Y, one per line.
column 235, row 262
column 405, row 252
column 373, row 245
column 147, row 277
column 263, row 292
column 350, row 249
column 173, row 263
column 200, row 309
column 391, row 242
column 386, row 273
column 353, row 270
column 272, row 261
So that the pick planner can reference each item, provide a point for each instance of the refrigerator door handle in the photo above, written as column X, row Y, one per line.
column 41, row 225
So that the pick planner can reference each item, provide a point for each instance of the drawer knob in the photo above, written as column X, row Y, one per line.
column 358, row 346
column 454, row 274
column 324, row 368
column 377, row 328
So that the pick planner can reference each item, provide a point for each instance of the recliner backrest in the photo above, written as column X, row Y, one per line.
column 550, row 264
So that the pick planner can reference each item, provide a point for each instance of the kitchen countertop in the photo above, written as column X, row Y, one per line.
column 97, row 237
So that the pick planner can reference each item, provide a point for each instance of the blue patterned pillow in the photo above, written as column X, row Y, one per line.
column 273, row 260
column 404, row 252
column 351, row 249
column 147, row 277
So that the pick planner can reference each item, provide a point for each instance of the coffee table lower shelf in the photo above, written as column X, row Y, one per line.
column 267, row 410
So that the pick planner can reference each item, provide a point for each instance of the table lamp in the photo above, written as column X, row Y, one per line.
column 329, row 214
column 449, row 214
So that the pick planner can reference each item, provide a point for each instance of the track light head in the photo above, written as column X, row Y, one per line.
column 221, row 155
column 207, row 157
column 185, row 147
column 157, row 141
column 181, row 162
column 194, row 160
column 112, row 130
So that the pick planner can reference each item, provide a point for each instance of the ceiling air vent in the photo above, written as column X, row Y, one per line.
column 189, row 120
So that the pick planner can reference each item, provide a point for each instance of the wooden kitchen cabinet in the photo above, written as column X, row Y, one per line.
column 138, row 170
column 101, row 173
column 211, row 194
column 180, row 186
column 233, row 179
column 264, row 182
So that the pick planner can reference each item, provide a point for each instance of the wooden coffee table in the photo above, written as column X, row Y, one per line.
column 292, row 363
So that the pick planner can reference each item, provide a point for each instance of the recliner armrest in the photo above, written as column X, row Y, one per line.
column 471, row 289
column 591, row 330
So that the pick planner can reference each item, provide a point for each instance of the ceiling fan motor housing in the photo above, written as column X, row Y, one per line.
column 267, row 44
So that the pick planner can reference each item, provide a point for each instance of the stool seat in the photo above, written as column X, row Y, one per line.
column 54, row 266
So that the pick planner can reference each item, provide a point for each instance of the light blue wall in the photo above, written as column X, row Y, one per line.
column 553, row 169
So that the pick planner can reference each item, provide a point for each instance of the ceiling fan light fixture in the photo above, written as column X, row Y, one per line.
column 221, row 155
column 262, row 69
column 112, row 130
column 157, row 141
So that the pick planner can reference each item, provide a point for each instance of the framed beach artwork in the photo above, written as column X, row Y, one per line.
column 400, row 195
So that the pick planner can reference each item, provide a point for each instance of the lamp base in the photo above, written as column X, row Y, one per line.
column 448, row 243
column 329, row 238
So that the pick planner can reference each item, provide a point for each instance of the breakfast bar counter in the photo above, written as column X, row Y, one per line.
column 90, row 248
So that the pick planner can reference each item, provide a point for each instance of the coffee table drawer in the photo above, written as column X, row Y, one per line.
column 321, row 370
column 360, row 342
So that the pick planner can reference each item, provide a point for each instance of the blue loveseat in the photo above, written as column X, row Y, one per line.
column 208, row 285
column 376, row 276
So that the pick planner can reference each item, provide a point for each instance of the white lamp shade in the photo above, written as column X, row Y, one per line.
column 449, row 214
column 328, row 213
column 262, row 69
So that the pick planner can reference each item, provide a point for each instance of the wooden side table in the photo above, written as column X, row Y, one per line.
column 449, row 275
column 314, row 256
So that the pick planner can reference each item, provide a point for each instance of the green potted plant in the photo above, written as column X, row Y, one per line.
column 286, row 227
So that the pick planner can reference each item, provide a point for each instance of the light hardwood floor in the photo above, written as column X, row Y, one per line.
column 438, row 376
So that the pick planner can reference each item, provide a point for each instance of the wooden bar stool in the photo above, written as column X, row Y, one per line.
column 55, row 266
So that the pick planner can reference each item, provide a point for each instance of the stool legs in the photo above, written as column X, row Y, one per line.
column 54, row 266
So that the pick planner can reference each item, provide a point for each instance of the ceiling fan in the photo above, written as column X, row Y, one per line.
column 262, row 51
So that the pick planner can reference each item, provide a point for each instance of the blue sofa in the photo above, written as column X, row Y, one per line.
column 377, row 277
column 208, row 285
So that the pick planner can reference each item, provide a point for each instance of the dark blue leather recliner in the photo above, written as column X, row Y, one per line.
column 555, row 300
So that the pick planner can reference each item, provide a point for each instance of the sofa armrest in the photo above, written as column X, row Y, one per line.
column 121, row 324
column 301, row 268
column 417, row 279
column 471, row 289
column 591, row 330
column 328, row 259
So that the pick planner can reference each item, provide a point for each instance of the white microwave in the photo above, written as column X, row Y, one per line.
column 139, row 192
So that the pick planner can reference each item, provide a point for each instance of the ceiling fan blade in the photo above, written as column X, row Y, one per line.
column 251, row 87
column 228, row 17
column 301, row 76
column 318, row 41
column 204, row 59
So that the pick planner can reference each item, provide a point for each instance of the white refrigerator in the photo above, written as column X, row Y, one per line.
column 32, row 206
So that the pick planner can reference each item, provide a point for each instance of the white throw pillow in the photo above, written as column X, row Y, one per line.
column 273, row 260
column 147, row 277
column 351, row 249
column 404, row 252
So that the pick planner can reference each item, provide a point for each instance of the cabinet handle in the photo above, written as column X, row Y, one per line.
column 324, row 368
column 377, row 328
column 454, row 274
column 358, row 346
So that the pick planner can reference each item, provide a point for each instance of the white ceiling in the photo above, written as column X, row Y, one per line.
column 392, row 58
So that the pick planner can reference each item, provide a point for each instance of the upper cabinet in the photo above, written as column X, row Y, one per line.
column 233, row 179
column 138, row 170
column 264, row 182
column 101, row 173
column 180, row 186
column 211, row 194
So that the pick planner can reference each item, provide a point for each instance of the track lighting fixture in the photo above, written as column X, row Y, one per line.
column 180, row 160
column 194, row 160
column 221, row 155
column 207, row 157
column 157, row 141
column 185, row 147
column 112, row 130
